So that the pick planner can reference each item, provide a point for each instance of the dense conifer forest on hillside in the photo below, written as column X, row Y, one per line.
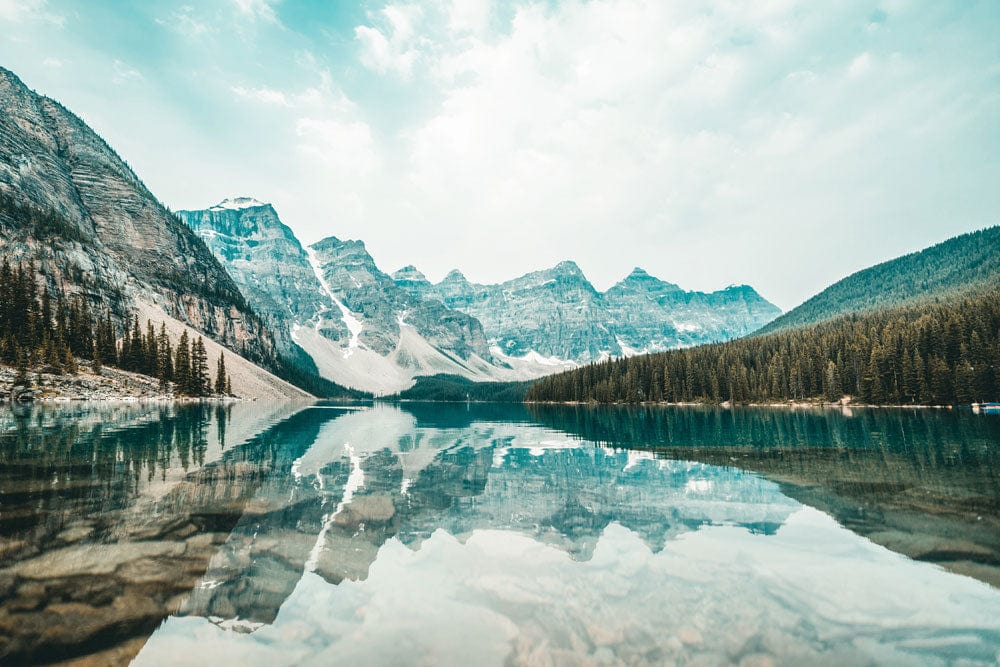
column 933, row 353
column 960, row 264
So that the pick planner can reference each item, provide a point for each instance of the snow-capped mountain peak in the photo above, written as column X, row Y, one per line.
column 237, row 203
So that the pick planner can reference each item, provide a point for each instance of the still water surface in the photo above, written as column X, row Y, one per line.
column 249, row 534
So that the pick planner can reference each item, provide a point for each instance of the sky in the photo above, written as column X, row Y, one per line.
column 778, row 143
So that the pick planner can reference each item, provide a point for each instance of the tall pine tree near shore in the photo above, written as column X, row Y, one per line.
column 182, row 365
column 220, row 375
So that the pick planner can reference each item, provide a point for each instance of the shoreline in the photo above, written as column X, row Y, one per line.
column 728, row 405
column 110, row 385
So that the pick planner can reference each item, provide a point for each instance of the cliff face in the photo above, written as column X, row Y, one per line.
column 650, row 315
column 266, row 260
column 77, row 210
column 384, row 308
column 554, row 313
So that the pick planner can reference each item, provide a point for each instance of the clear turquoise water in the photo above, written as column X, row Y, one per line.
column 489, row 535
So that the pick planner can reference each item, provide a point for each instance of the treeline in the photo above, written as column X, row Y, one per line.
column 939, row 353
column 39, row 328
column 455, row 388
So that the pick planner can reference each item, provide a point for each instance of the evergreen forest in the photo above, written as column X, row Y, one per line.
column 944, row 352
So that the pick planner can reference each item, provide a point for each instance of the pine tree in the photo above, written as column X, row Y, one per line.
column 220, row 375
column 164, row 357
column 199, row 369
column 22, row 369
column 182, row 365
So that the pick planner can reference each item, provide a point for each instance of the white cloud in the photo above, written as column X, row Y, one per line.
column 263, row 95
column 184, row 21
column 393, row 46
column 22, row 11
column 345, row 147
column 52, row 63
column 122, row 72
column 860, row 65
column 469, row 16
column 257, row 9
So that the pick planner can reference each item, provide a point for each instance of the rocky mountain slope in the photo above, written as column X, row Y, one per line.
column 333, row 305
column 558, row 314
column 72, row 207
column 106, row 230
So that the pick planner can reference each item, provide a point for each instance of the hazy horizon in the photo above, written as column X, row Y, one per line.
column 783, row 146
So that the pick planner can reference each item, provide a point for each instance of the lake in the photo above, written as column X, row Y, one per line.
column 453, row 534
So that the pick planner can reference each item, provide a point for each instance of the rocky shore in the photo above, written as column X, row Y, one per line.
column 110, row 384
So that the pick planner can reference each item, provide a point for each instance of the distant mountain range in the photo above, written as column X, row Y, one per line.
column 557, row 313
column 366, row 329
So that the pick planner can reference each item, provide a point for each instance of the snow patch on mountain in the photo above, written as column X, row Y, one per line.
column 354, row 325
column 237, row 203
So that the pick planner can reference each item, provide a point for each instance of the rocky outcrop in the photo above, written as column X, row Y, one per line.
column 554, row 313
column 77, row 210
column 384, row 308
column 650, row 315
column 86, row 385
column 266, row 260
column 557, row 313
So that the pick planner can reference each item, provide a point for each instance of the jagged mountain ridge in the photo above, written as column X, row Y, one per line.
column 557, row 313
column 332, row 303
column 366, row 329
column 265, row 259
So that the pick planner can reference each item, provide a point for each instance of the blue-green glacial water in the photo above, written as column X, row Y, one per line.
column 256, row 534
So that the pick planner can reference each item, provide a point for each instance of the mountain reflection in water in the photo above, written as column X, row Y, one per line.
column 454, row 534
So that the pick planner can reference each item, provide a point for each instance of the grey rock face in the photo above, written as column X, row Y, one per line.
column 557, row 312
column 280, row 278
column 112, row 234
column 268, row 263
column 650, row 315
column 354, row 279
column 409, row 278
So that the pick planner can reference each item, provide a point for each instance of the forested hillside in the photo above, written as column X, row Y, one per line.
column 458, row 388
column 940, row 352
column 49, row 328
column 42, row 329
column 967, row 262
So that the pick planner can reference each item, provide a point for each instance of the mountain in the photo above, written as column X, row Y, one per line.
column 558, row 315
column 651, row 315
column 967, row 262
column 71, row 206
column 920, row 329
column 335, row 311
column 552, row 313
column 267, row 262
